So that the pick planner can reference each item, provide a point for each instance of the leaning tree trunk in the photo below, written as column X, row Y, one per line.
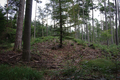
column 27, row 31
column 18, row 39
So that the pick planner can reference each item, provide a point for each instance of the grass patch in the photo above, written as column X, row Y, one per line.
column 19, row 73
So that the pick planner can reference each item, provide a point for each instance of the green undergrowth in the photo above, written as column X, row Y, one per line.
column 111, row 49
column 42, row 39
column 92, row 69
column 68, row 73
column 19, row 73
column 6, row 45
column 80, row 42
column 102, row 65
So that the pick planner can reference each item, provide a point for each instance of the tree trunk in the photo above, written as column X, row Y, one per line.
column 47, row 30
column 82, row 33
column 116, row 24
column 7, row 10
column 42, row 28
column 18, row 39
column 35, row 20
column 78, row 32
column 60, row 24
column 119, row 18
column 105, row 17
column 27, row 31
column 87, row 33
column 92, row 22
column 83, row 22
column 110, row 22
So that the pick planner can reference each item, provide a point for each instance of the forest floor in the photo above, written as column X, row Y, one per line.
column 49, row 57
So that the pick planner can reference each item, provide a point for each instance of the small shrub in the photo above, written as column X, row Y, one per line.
column 92, row 46
column 72, row 44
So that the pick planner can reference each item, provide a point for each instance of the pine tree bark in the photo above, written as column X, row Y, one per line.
column 18, row 39
column 27, row 31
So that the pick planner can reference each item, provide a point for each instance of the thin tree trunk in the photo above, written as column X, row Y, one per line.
column 78, row 32
column 7, row 10
column 119, row 18
column 42, row 28
column 82, row 33
column 54, row 26
column 92, row 22
column 18, row 39
column 116, row 24
column 47, row 29
column 74, row 20
column 35, row 20
column 105, row 17
column 110, row 22
column 27, row 31
column 60, row 24
column 83, row 21
column 87, row 32
column 54, row 18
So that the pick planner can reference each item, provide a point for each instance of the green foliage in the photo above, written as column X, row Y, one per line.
column 6, row 45
column 112, row 49
column 11, row 34
column 106, row 35
column 42, row 39
column 80, row 42
column 100, row 65
column 72, row 44
column 93, row 46
column 69, row 71
column 39, row 28
column 19, row 73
